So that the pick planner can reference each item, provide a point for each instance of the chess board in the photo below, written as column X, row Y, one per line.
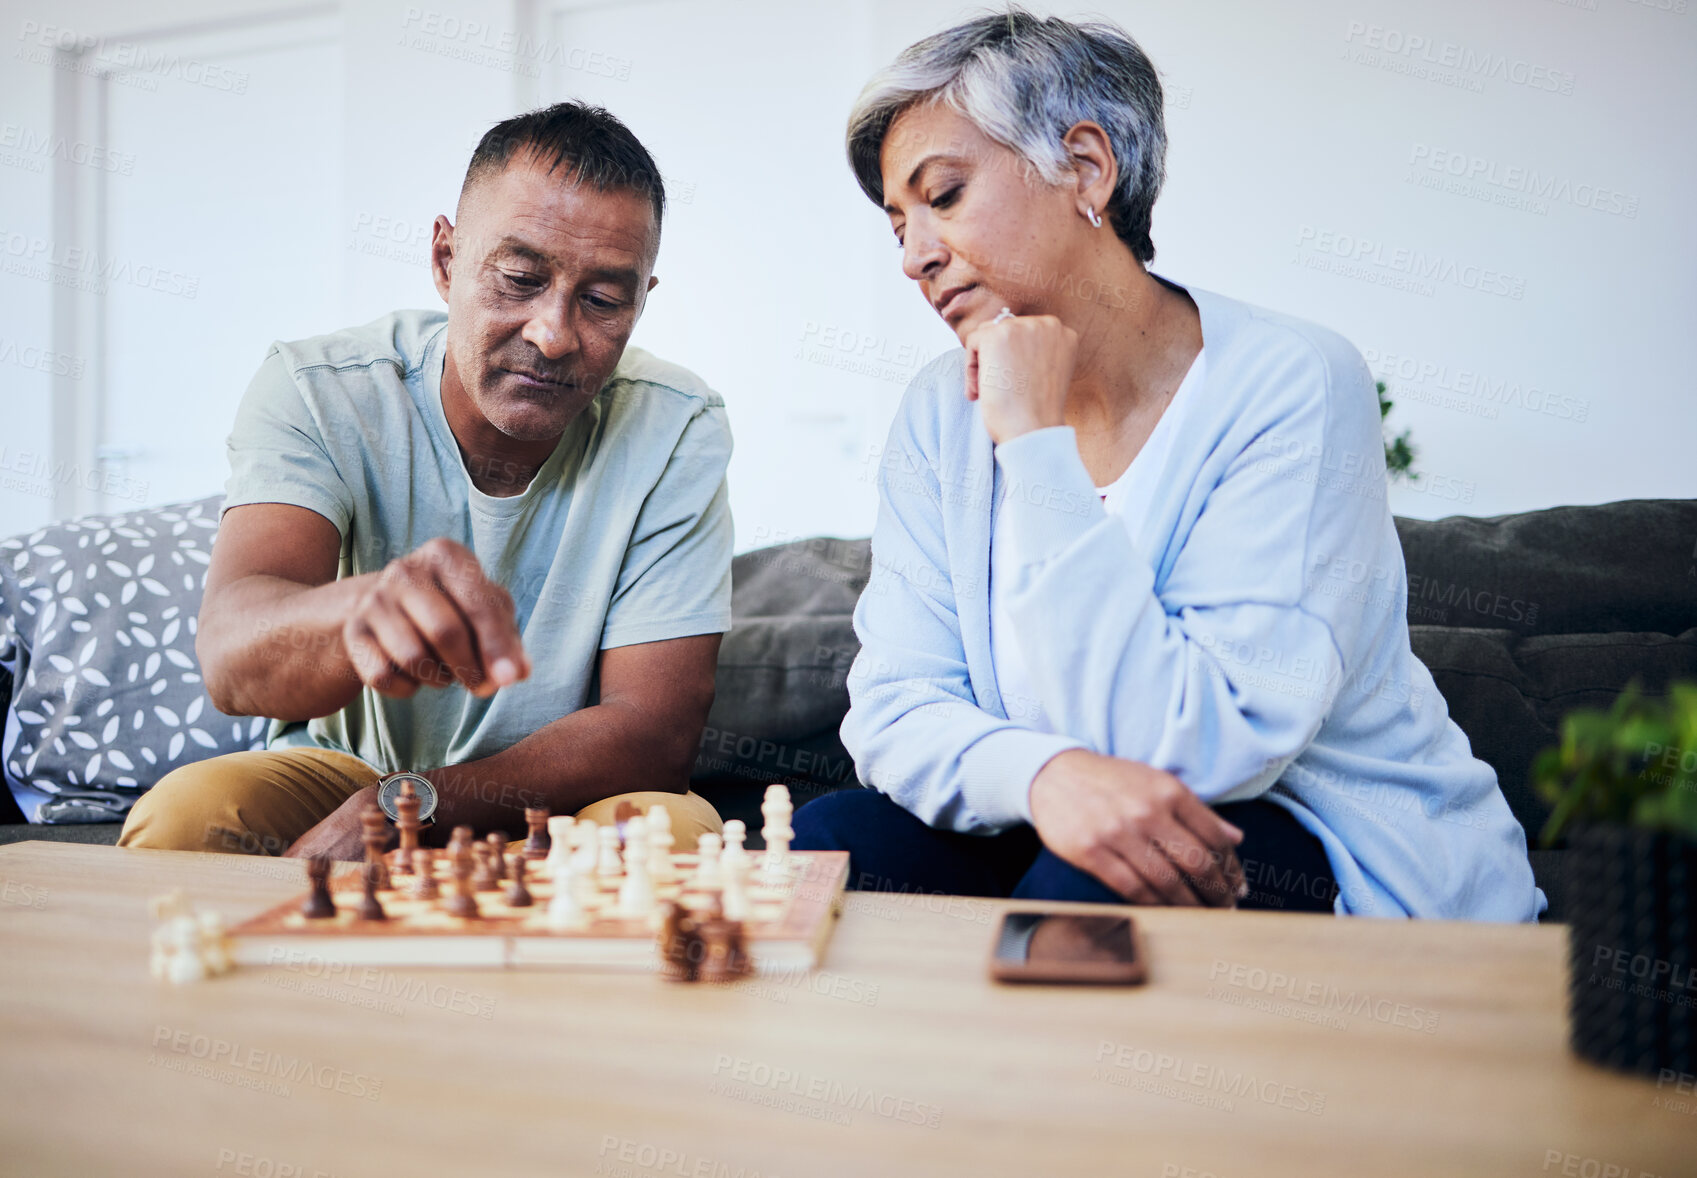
column 789, row 925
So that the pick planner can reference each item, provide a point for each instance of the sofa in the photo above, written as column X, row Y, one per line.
column 1519, row 617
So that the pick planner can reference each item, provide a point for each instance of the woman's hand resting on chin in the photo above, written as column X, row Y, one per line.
column 1019, row 369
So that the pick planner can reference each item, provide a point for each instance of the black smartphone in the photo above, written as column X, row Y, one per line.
column 1065, row 947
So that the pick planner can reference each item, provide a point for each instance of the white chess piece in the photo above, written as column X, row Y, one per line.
column 609, row 863
column 566, row 910
column 636, row 894
column 777, row 810
column 214, row 946
column 734, row 898
column 186, row 964
column 165, row 910
column 584, row 844
column 707, row 864
column 559, row 841
column 736, row 831
column 660, row 840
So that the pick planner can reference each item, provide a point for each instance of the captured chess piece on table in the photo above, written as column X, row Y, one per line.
column 188, row 946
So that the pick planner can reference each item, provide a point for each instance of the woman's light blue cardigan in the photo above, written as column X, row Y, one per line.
column 1248, row 634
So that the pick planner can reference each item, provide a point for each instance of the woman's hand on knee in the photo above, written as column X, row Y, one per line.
column 1138, row 829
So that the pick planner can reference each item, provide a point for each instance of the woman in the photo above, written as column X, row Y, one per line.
column 1136, row 622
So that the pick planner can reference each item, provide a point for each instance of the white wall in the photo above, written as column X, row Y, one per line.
column 1308, row 172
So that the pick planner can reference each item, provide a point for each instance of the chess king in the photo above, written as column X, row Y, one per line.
column 490, row 545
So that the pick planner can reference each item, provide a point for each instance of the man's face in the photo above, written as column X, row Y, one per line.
column 544, row 280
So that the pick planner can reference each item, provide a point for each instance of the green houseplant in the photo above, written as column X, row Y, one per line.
column 1399, row 451
column 1623, row 787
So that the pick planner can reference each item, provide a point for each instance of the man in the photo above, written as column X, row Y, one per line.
column 491, row 546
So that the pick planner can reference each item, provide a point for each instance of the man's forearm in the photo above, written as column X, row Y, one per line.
column 273, row 647
column 609, row 748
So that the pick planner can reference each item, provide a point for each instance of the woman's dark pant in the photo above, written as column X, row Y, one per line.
column 892, row 851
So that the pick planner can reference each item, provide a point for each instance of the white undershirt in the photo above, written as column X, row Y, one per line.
column 1124, row 497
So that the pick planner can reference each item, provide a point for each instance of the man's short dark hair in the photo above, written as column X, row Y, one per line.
column 586, row 143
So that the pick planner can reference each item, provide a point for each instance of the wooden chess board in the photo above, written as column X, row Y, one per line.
column 790, row 923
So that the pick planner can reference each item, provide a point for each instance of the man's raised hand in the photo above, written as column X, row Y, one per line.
column 432, row 618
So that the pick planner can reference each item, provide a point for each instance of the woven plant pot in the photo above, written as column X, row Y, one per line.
column 1632, row 949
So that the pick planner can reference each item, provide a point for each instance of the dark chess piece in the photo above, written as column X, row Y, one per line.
column 518, row 896
column 539, row 843
column 369, row 908
column 424, row 885
column 484, row 878
column 498, row 854
column 376, row 837
column 318, row 905
column 406, row 822
column 463, row 902
column 724, row 956
column 680, row 944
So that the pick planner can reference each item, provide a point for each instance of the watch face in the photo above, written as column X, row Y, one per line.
column 390, row 790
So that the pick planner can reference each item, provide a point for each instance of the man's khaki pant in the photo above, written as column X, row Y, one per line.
column 259, row 803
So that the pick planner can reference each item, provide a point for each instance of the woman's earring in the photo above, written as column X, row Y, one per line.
column 1090, row 215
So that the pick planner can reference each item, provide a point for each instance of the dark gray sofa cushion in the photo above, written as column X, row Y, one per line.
column 1626, row 567
column 97, row 622
column 1509, row 693
column 782, row 686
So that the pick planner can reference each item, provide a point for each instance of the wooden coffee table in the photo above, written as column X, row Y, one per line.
column 1263, row 1045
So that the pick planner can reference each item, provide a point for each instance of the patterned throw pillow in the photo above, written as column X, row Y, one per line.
column 97, row 625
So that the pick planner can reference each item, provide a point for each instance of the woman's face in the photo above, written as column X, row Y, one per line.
column 979, row 230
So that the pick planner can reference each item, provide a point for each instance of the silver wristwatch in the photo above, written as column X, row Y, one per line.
column 389, row 789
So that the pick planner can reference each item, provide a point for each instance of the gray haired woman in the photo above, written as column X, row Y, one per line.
column 1135, row 628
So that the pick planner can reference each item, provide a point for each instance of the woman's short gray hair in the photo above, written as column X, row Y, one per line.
column 1025, row 81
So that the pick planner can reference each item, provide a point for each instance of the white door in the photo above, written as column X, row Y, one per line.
column 222, row 239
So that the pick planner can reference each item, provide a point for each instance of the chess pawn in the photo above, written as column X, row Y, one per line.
column 586, row 842
column 566, row 911
column 463, row 903
column 518, row 896
column 498, row 854
column 485, row 879
column 424, row 870
column 707, row 865
column 733, row 870
column 736, row 831
column 541, row 840
column 636, row 894
column 660, row 840
column 319, row 905
column 608, row 864
column 559, row 842
column 369, row 906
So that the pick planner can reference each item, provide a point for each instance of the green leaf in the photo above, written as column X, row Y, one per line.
column 1636, row 763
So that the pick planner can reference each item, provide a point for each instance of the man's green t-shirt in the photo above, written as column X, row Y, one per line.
column 624, row 536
